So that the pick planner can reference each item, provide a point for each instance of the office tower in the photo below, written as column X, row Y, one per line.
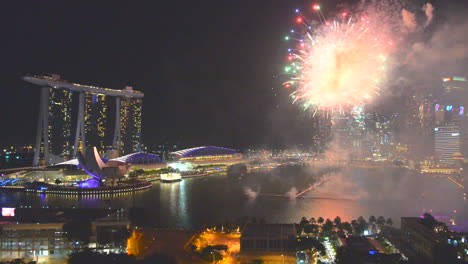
column 447, row 143
column 449, row 113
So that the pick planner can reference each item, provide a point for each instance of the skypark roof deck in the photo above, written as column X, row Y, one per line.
column 56, row 82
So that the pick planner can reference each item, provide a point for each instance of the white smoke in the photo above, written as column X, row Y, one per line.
column 292, row 193
column 250, row 193
column 428, row 10
column 409, row 21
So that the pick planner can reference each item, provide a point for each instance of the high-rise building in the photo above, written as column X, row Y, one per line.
column 53, row 137
column 59, row 119
column 447, row 143
column 96, row 120
column 130, row 124
column 449, row 113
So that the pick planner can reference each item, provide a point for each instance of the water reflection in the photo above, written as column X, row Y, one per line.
column 215, row 199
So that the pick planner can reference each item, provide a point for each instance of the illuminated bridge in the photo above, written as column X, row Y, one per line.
column 54, row 135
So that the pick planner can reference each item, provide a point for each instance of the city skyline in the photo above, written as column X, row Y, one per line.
column 192, row 81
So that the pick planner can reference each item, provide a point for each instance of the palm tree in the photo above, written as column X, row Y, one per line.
column 380, row 221
column 361, row 220
column 320, row 220
column 337, row 221
column 304, row 221
column 389, row 221
column 347, row 227
column 372, row 219
column 328, row 226
column 312, row 220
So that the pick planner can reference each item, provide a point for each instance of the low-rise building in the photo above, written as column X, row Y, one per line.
column 45, row 240
column 427, row 238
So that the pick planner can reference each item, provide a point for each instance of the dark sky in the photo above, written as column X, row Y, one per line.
column 206, row 67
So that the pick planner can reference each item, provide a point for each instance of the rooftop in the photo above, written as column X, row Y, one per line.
column 279, row 231
column 54, row 81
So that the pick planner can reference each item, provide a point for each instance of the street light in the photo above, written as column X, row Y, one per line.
column 282, row 255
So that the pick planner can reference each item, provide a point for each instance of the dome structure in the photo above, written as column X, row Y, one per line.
column 139, row 158
column 205, row 153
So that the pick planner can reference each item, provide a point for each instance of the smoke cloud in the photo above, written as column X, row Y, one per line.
column 409, row 21
column 428, row 10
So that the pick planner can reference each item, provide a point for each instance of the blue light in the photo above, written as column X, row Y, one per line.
column 449, row 107
column 437, row 106
column 297, row 10
column 373, row 252
column 292, row 30
column 462, row 110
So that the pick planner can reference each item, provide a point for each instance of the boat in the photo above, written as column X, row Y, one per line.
column 171, row 177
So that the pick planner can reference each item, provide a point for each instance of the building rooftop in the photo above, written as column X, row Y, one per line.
column 279, row 231
column 54, row 81
column 205, row 151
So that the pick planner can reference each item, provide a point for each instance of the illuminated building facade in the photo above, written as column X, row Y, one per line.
column 53, row 138
column 450, row 115
column 96, row 120
column 59, row 119
column 130, row 125
column 447, row 143
column 207, row 153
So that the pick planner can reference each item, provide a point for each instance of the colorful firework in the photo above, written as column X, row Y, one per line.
column 338, row 64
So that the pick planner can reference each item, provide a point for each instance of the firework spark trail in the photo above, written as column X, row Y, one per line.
column 340, row 64
column 311, row 187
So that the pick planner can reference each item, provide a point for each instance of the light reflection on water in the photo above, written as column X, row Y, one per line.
column 193, row 202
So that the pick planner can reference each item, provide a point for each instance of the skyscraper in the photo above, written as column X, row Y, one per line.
column 54, row 124
column 447, row 143
column 59, row 119
column 130, row 124
column 450, row 116
column 96, row 120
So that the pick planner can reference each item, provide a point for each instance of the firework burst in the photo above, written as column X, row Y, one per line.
column 336, row 65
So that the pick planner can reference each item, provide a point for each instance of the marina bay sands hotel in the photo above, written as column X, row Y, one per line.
column 89, row 118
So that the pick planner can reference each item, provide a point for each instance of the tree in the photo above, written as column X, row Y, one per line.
column 309, row 229
column 389, row 221
column 361, row 220
column 337, row 221
column 312, row 220
column 136, row 173
column 57, row 182
column 303, row 222
column 328, row 226
column 372, row 219
column 380, row 221
column 320, row 220
column 361, row 225
column 347, row 227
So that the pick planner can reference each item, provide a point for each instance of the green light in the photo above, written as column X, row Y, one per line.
column 287, row 69
column 286, row 38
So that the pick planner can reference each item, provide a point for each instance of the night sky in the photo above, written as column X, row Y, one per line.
column 206, row 67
